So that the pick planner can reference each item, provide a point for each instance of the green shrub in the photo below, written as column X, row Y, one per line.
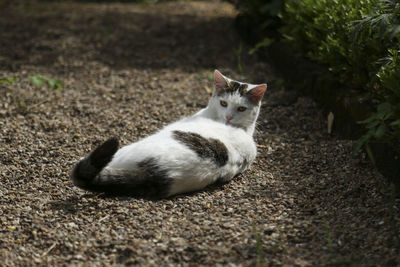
column 322, row 30
column 382, row 27
column 258, row 18
column 358, row 40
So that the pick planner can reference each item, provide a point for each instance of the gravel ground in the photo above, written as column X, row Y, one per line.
column 129, row 69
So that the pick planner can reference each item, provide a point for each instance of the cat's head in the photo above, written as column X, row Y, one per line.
column 236, row 103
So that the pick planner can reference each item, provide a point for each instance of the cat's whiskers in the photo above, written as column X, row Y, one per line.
column 256, row 127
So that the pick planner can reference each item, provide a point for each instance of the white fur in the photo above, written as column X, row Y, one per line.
column 184, row 166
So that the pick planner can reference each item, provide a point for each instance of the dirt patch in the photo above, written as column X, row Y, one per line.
column 129, row 69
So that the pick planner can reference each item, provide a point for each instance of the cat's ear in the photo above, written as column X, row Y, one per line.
column 256, row 94
column 220, row 82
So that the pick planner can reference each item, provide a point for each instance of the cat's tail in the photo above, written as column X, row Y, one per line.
column 147, row 179
column 88, row 168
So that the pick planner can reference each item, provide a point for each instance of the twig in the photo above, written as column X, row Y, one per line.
column 105, row 217
column 208, row 90
column 262, row 146
column 50, row 248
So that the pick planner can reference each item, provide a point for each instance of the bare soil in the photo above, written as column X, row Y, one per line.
column 129, row 69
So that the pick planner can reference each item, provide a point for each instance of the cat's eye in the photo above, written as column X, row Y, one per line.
column 241, row 109
column 223, row 103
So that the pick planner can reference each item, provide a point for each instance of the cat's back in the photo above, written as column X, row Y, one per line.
column 184, row 138
column 205, row 133
column 209, row 128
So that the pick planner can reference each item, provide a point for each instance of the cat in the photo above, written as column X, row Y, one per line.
column 213, row 145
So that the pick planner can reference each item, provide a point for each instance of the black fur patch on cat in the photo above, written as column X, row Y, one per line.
column 233, row 87
column 147, row 181
column 156, row 180
column 205, row 148
column 89, row 167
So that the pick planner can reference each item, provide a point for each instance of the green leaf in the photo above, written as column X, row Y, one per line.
column 59, row 87
column 51, row 83
column 370, row 119
column 380, row 131
column 10, row 81
column 55, row 84
column 361, row 142
column 264, row 43
column 384, row 108
column 372, row 124
column 395, row 123
column 370, row 154
column 394, row 31
column 37, row 80
column 40, row 80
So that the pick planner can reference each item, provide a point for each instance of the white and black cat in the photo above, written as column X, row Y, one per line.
column 215, row 144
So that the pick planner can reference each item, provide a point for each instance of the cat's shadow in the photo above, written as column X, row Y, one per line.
column 209, row 189
column 219, row 186
column 71, row 204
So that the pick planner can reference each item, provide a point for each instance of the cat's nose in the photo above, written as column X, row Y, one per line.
column 228, row 117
